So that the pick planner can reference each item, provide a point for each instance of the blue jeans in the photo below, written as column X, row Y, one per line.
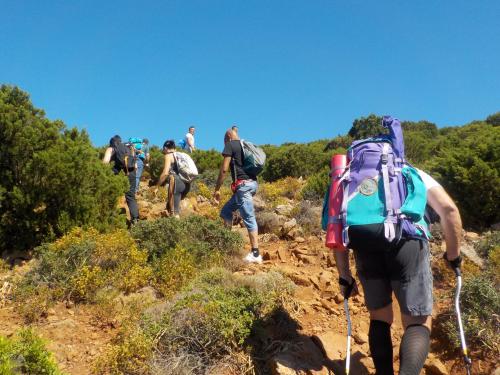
column 242, row 201
column 138, row 172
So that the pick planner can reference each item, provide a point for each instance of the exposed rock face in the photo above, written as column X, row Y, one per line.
column 435, row 367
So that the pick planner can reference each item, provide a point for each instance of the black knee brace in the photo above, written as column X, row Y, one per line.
column 414, row 349
column 381, row 347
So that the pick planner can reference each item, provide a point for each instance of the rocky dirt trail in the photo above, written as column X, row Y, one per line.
column 309, row 337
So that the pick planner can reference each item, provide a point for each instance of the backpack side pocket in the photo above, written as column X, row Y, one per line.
column 416, row 197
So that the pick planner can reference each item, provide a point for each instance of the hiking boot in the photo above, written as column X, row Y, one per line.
column 250, row 258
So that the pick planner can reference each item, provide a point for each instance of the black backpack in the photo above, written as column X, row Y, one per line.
column 124, row 158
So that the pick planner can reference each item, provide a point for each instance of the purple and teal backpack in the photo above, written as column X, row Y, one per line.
column 381, row 187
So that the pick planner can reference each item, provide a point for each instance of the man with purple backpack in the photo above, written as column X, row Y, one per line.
column 382, row 216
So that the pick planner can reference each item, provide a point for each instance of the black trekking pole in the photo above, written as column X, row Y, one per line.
column 467, row 360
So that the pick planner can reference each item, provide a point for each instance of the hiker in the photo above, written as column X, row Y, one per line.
column 123, row 158
column 141, row 147
column 393, row 255
column 178, row 187
column 188, row 144
column 244, row 187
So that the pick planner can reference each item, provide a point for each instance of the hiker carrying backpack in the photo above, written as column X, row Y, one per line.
column 186, row 168
column 380, row 189
column 376, row 207
column 123, row 157
column 245, row 161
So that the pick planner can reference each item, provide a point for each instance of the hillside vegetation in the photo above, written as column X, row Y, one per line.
column 174, row 295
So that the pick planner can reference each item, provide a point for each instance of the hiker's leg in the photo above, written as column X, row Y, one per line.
column 130, row 198
column 414, row 344
column 247, row 211
column 379, row 338
column 138, row 172
column 179, row 188
column 227, row 211
column 372, row 273
column 414, row 293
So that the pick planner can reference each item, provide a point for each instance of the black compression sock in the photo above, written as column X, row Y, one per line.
column 414, row 349
column 380, row 341
column 255, row 251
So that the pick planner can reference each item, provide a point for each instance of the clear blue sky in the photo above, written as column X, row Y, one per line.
column 282, row 70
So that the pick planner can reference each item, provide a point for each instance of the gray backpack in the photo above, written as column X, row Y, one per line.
column 254, row 158
column 186, row 167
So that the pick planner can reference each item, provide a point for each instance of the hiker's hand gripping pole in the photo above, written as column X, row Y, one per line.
column 455, row 264
column 348, row 289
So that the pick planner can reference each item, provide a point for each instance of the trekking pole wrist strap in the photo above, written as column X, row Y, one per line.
column 349, row 286
column 455, row 263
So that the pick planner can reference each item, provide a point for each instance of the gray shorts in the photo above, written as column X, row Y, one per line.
column 404, row 269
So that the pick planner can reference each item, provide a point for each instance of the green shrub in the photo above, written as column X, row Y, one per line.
column 488, row 243
column 51, row 178
column 278, row 192
column 196, row 234
column 317, row 185
column 480, row 303
column 79, row 265
column 296, row 160
column 213, row 317
column 207, row 160
column 25, row 353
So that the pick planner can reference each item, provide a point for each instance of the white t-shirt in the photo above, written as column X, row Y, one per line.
column 189, row 139
column 429, row 182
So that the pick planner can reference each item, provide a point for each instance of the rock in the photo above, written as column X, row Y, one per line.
column 471, row 254
column 270, row 222
column 300, row 279
column 471, row 236
column 283, row 209
column 259, row 204
column 295, row 233
column 266, row 255
column 306, row 259
column 360, row 337
column 288, row 226
column 283, row 255
column 300, row 240
column 201, row 199
column 269, row 237
column 497, row 371
column 302, row 357
column 338, row 298
column 333, row 345
column 330, row 260
column 435, row 367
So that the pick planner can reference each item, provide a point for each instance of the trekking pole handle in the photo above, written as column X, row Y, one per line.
column 455, row 264
column 349, row 286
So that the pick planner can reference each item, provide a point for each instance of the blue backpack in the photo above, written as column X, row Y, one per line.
column 182, row 144
column 380, row 187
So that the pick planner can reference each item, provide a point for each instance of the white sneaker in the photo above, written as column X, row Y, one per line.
column 250, row 258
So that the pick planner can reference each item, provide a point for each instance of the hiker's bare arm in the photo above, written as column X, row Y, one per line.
column 342, row 262
column 107, row 155
column 451, row 222
column 166, row 169
column 222, row 173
